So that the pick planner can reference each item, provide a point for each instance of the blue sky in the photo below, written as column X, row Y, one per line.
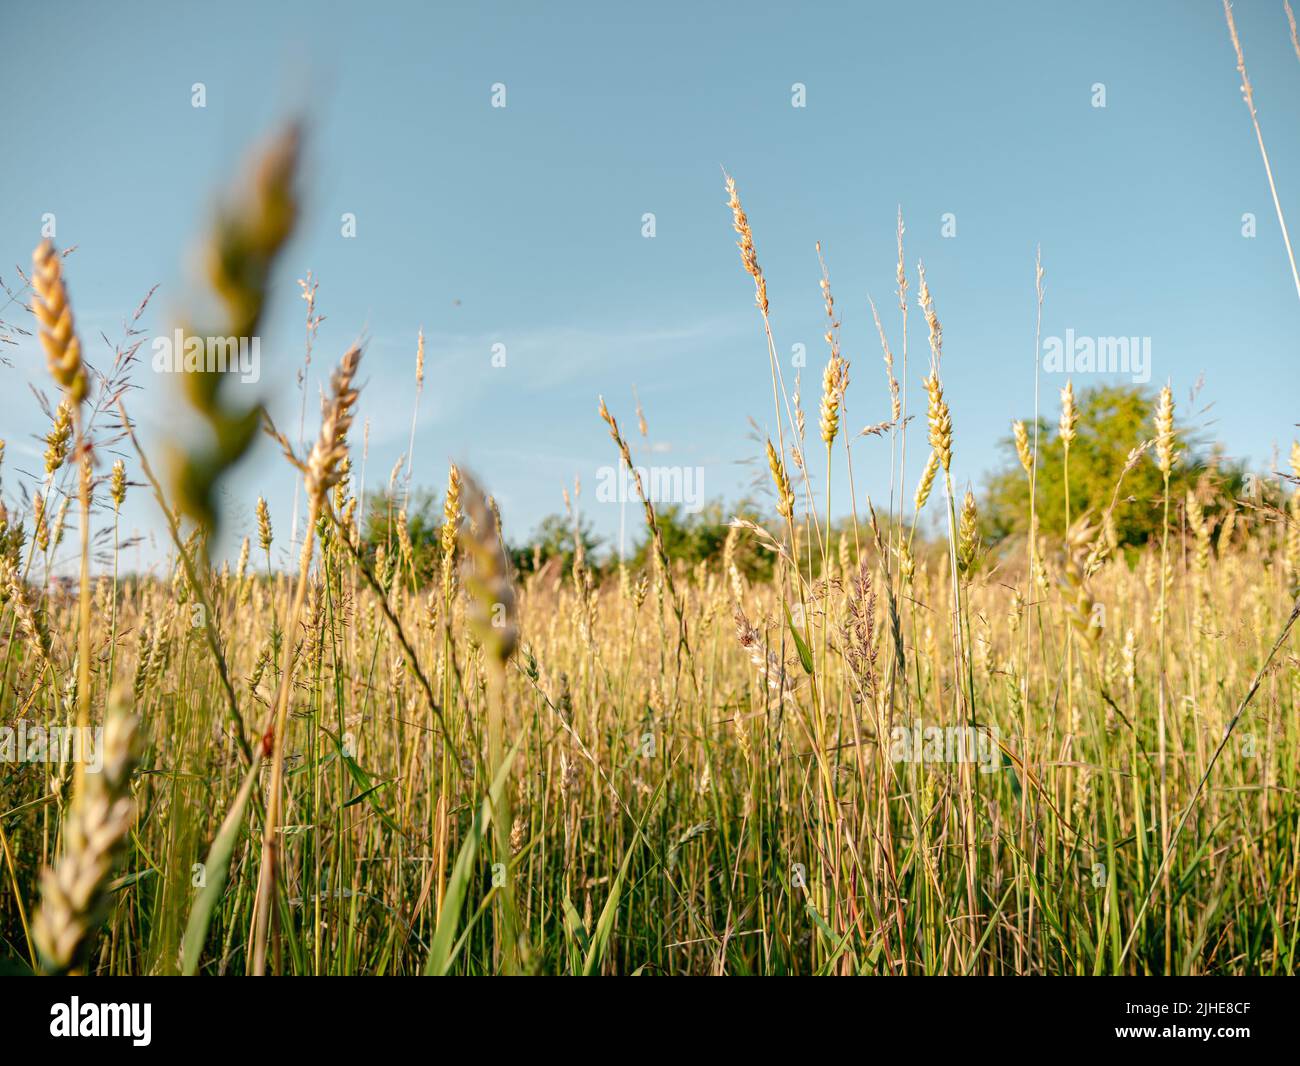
column 523, row 225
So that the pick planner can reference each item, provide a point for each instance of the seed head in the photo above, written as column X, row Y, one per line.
column 784, row 494
column 940, row 421
column 242, row 567
column 748, row 256
column 926, row 483
column 491, row 611
column 1022, row 445
column 895, row 397
column 40, row 523
column 56, row 533
column 833, row 383
column 1069, row 414
column 75, row 893
column 57, row 330
column 968, row 535
column 263, row 524
column 931, row 320
column 451, row 515
column 59, row 438
column 1165, row 454
column 117, row 485
column 331, row 449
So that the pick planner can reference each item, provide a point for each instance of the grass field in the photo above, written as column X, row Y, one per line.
column 899, row 754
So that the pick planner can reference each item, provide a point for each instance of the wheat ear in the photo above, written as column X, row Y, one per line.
column 75, row 896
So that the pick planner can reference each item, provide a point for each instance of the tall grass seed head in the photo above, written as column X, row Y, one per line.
column 1164, row 419
column 57, row 331
column 939, row 420
column 263, row 524
column 1069, row 414
column 926, row 484
column 59, row 439
column 325, row 463
column 748, row 256
column 1023, row 452
column 784, row 494
column 117, row 485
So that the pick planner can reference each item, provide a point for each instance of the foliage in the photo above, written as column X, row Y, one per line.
column 554, row 538
column 1112, row 421
column 423, row 526
column 701, row 537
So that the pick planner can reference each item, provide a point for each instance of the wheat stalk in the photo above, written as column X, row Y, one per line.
column 1248, row 95
column 74, row 892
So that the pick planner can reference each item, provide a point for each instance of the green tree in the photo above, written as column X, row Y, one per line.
column 1112, row 421
column 423, row 526
column 554, row 537
column 693, row 538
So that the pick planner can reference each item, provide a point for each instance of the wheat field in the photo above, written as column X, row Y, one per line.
column 880, row 751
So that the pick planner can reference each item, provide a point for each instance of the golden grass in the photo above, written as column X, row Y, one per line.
column 896, row 756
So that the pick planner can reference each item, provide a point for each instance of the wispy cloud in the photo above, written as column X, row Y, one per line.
column 465, row 372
